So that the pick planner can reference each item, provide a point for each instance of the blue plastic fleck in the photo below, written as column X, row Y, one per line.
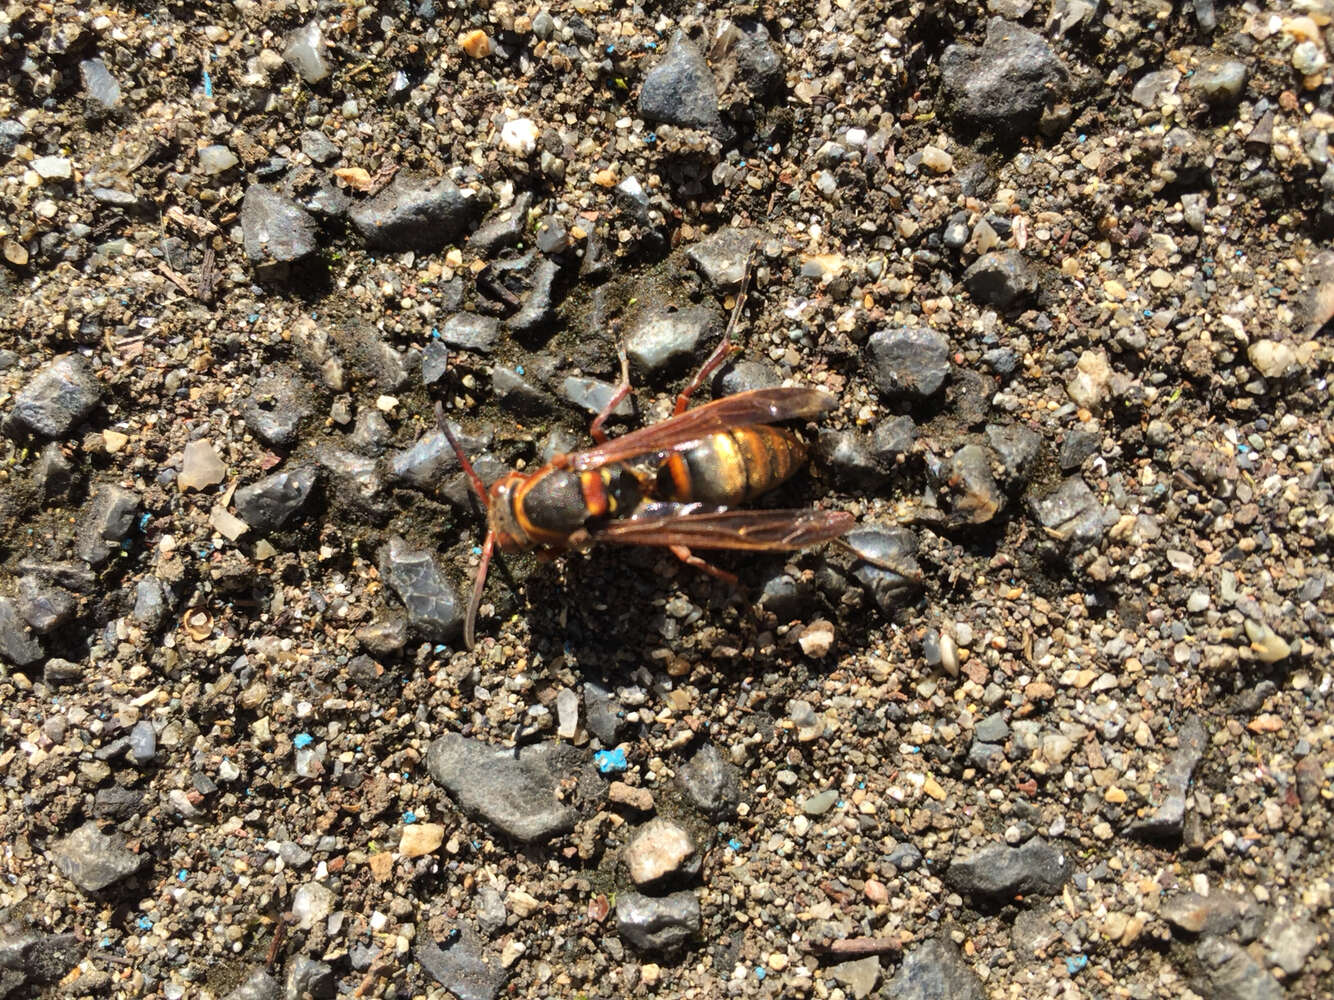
column 759, row 972
column 208, row 84
column 143, row 521
column 734, row 844
column 518, row 369
column 409, row 817
column 145, row 924
column 182, row 875
column 303, row 740
column 610, row 761
column 1075, row 964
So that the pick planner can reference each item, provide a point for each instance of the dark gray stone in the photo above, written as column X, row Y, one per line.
column 53, row 475
column 319, row 147
column 710, row 782
column 721, row 258
column 274, row 228
column 1004, row 86
column 428, row 463
column 503, row 230
column 890, row 572
column 1079, row 444
column 267, row 505
column 435, row 361
column 117, row 803
column 788, row 599
column 433, row 608
column 666, row 339
column 1017, row 448
column 905, row 857
column 143, row 743
column 538, row 311
column 275, row 408
column 93, row 860
column 11, row 133
column 99, row 85
column 745, row 376
column 33, row 958
column 150, row 603
column 460, row 966
column 1000, row 872
column 1071, row 514
column 57, row 398
column 1217, row 913
column 851, row 458
column 935, row 970
column 1168, row 795
column 592, row 394
column 552, row 236
column 16, row 645
column 517, row 790
column 1220, row 81
column 61, row 673
column 43, row 605
column 308, row 978
column 974, row 497
column 518, row 396
column 417, row 213
column 471, row 332
column 1001, row 278
column 603, row 715
column 662, row 924
column 992, row 729
column 911, row 362
column 680, row 90
column 372, row 433
column 752, row 57
column 1228, row 972
column 260, row 986
column 109, row 520
column 893, row 436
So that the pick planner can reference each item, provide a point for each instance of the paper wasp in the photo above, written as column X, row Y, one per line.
column 672, row 484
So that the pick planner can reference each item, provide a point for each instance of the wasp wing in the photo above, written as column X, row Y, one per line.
column 758, row 406
column 756, row 530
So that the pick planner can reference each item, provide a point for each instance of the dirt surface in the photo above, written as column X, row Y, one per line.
column 1052, row 722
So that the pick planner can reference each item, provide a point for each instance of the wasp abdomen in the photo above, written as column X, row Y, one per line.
column 731, row 467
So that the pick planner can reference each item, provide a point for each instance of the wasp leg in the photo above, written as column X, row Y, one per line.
column 690, row 559
column 622, row 390
column 720, row 353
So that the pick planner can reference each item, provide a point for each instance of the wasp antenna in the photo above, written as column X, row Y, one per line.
column 475, row 602
column 474, row 480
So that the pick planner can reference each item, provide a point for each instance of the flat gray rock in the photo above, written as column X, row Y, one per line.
column 414, row 575
column 1000, row 872
column 1169, row 787
column 519, row 791
column 274, row 228
column 417, row 213
column 680, row 90
column 93, row 860
column 57, row 398
column 460, row 967
column 934, row 970
column 659, row 924
column 909, row 362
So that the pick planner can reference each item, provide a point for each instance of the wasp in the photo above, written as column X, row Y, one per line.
column 673, row 484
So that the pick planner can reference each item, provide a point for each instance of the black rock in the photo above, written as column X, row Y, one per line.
column 1078, row 445
column 785, row 597
column 417, row 213
column 93, row 860
column 117, row 803
column 57, row 398
column 1071, row 515
column 1001, row 278
column 503, row 230
column 260, row 986
column 517, row 395
column 1005, row 85
column 721, row 258
column 905, row 857
column 710, row 782
column 657, row 924
column 1000, row 872
column 433, row 608
column 16, row 645
column 431, row 460
column 851, row 457
column 372, row 434
column 270, row 503
column 894, row 574
column 603, row 715
column 665, row 339
column 1017, row 448
column 150, row 603
column 276, row 406
column 43, row 605
column 274, row 228
column 517, row 790
column 680, row 90
column 539, row 306
column 911, row 362
column 974, row 497
column 935, row 970
column 1230, row 973
column 460, row 966
column 36, row 958
column 108, row 521
column 751, row 56
column 552, row 237
column 471, row 332
column 1001, row 360
column 11, row 133
column 1168, row 796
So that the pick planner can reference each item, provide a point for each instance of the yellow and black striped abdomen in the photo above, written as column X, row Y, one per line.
column 731, row 467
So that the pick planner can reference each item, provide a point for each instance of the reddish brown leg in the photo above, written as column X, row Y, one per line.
column 622, row 390
column 690, row 559
column 720, row 353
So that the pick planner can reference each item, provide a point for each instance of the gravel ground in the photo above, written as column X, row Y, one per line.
column 1053, row 723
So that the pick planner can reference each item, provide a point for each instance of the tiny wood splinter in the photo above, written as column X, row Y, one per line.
column 671, row 484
